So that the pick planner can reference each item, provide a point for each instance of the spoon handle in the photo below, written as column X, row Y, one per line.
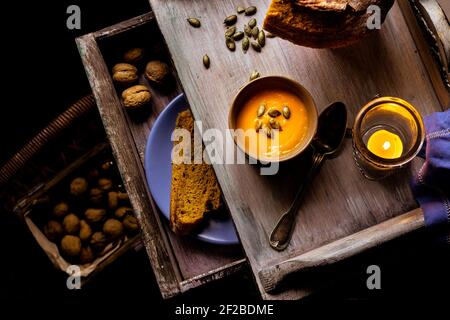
column 281, row 234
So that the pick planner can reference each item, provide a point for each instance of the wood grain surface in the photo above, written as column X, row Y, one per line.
column 340, row 202
column 179, row 263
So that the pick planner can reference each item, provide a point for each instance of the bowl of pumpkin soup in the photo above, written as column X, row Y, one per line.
column 273, row 119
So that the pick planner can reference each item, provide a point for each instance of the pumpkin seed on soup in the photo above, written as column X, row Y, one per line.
column 286, row 112
column 267, row 131
column 261, row 110
column 274, row 124
column 258, row 124
column 240, row 10
column 274, row 112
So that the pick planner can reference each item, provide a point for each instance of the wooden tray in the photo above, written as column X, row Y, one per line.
column 179, row 264
column 343, row 213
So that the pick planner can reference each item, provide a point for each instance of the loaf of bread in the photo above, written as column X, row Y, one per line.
column 195, row 190
column 322, row 23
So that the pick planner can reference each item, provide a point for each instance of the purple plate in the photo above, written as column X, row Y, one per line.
column 159, row 173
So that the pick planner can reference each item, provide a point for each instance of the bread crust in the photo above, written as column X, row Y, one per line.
column 320, row 23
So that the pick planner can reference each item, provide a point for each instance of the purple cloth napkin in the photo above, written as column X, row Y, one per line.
column 431, row 186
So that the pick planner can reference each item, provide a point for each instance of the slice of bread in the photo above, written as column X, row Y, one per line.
column 195, row 190
column 322, row 23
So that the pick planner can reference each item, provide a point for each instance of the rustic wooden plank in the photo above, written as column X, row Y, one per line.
column 424, row 50
column 340, row 202
column 110, row 108
column 189, row 258
column 124, row 26
column 216, row 274
column 343, row 248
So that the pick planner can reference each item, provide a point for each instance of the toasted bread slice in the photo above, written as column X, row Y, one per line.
column 195, row 190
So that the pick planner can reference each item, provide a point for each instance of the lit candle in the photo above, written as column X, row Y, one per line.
column 385, row 144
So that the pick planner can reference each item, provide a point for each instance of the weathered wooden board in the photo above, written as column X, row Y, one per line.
column 179, row 263
column 340, row 202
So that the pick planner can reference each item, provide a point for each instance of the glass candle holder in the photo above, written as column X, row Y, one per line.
column 387, row 134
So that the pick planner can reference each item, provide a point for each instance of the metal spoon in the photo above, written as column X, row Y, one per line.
column 330, row 134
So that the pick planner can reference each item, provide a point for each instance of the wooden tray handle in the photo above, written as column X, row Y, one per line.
column 343, row 248
column 62, row 122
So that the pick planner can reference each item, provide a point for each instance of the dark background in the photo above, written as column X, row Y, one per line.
column 44, row 75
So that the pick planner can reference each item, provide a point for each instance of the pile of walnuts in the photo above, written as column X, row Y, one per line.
column 90, row 213
column 126, row 75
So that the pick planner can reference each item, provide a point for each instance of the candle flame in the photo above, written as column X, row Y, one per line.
column 386, row 145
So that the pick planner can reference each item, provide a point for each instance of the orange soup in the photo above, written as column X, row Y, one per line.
column 279, row 120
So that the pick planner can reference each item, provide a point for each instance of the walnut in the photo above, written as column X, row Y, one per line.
column 78, row 186
column 98, row 241
column 134, row 55
column 71, row 245
column 157, row 71
column 96, row 196
column 94, row 215
column 85, row 231
column 107, row 166
column 71, row 224
column 113, row 228
column 105, row 184
column 86, row 255
column 136, row 97
column 130, row 224
column 124, row 74
column 122, row 212
column 60, row 210
column 53, row 230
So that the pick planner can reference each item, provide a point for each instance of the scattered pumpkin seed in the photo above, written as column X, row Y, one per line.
column 194, row 22
column 254, row 75
column 206, row 61
column 255, row 32
column 238, row 35
column 256, row 46
column 286, row 112
column 230, row 31
column 231, row 45
column 274, row 124
column 230, row 20
column 250, row 11
column 248, row 30
column 261, row 110
column 252, row 23
column 245, row 44
column 273, row 112
column 258, row 124
column 261, row 38
column 240, row 10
